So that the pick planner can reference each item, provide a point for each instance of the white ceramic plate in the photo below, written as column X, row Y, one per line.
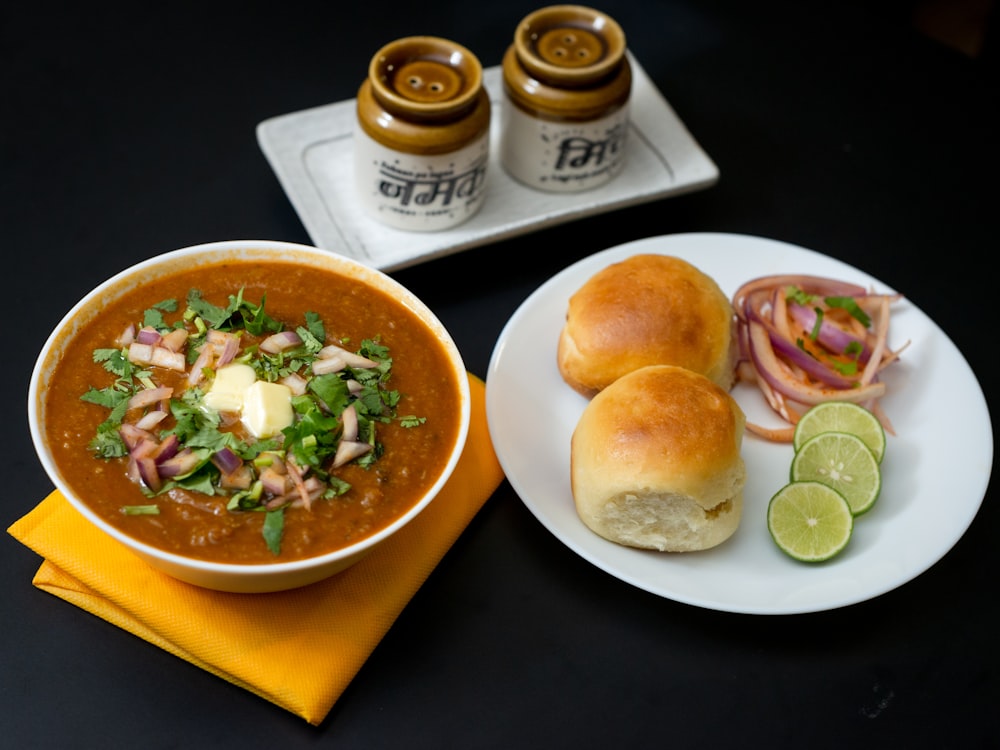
column 939, row 455
column 311, row 154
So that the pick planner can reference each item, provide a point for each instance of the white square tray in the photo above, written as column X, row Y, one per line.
column 311, row 153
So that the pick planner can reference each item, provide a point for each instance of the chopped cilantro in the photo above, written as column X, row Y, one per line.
column 153, row 317
column 844, row 368
column 214, row 316
column 315, row 326
column 851, row 306
column 108, row 397
column 814, row 334
column 274, row 529
column 107, row 443
column 795, row 294
column 312, row 439
column 332, row 390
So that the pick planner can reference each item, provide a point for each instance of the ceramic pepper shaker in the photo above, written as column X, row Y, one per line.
column 567, row 83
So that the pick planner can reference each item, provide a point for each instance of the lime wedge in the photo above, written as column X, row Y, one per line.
column 843, row 462
column 841, row 416
column 809, row 521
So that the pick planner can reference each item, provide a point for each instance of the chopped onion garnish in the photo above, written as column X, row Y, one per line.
column 348, row 450
column 148, row 336
column 141, row 354
column 175, row 340
column 280, row 342
column 350, row 358
column 171, row 360
column 127, row 336
column 226, row 460
column 149, row 396
column 328, row 365
column 349, row 418
column 180, row 465
column 295, row 383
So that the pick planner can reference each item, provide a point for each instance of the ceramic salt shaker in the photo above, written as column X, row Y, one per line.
column 567, row 84
column 421, row 145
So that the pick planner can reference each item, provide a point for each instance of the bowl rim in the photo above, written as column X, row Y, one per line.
column 247, row 249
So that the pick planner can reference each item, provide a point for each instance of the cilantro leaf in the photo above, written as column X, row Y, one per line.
column 116, row 362
column 852, row 307
column 795, row 294
column 332, row 390
column 311, row 343
column 213, row 315
column 313, row 437
column 274, row 528
column 153, row 317
column 107, row 397
column 107, row 443
column 315, row 325
column 255, row 320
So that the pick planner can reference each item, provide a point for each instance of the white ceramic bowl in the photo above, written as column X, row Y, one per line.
column 241, row 578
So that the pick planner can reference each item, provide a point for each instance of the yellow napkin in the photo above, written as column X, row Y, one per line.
column 298, row 649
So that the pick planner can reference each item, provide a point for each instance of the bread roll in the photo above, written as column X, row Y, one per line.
column 656, row 464
column 647, row 310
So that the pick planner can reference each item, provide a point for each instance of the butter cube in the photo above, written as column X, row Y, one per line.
column 267, row 408
column 228, row 388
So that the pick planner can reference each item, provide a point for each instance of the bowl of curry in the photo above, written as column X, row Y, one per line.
column 249, row 416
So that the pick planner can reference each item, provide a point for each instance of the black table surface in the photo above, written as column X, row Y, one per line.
column 836, row 126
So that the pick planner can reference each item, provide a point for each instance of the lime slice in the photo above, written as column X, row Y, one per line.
column 809, row 521
column 843, row 462
column 841, row 416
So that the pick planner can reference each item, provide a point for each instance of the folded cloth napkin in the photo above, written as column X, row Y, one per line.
column 298, row 649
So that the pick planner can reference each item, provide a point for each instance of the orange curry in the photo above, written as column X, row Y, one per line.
column 405, row 459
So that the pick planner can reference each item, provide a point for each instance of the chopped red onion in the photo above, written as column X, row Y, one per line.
column 348, row 450
column 180, row 465
column 281, row 341
column 148, row 336
column 350, row 358
column 226, row 460
column 349, row 420
column 149, row 396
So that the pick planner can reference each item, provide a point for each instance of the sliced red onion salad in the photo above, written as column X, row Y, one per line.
column 807, row 339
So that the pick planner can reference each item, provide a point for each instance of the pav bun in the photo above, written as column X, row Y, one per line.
column 647, row 310
column 655, row 461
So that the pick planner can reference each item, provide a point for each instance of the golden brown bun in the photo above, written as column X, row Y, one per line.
column 656, row 464
column 647, row 310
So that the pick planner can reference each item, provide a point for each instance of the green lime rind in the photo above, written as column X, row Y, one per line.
column 841, row 416
column 844, row 462
column 810, row 521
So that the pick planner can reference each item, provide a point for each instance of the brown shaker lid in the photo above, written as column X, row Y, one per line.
column 569, row 45
column 425, row 76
